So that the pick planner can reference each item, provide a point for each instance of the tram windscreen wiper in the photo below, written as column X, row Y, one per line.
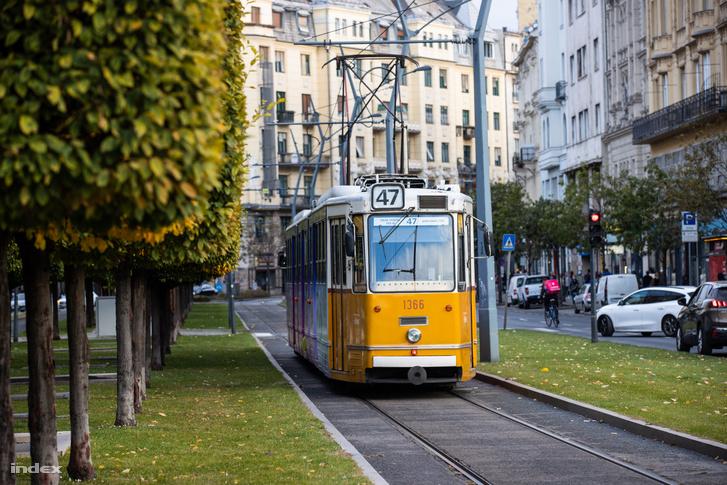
column 395, row 226
column 399, row 270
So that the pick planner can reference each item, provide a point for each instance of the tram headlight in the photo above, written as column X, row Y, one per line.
column 413, row 335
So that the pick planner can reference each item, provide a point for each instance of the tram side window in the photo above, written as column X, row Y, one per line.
column 461, row 253
column 321, row 252
column 334, row 254
column 359, row 268
column 342, row 238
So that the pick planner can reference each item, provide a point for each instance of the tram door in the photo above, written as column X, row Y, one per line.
column 468, row 226
column 338, row 285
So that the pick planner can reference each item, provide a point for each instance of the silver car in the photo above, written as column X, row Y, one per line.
column 582, row 301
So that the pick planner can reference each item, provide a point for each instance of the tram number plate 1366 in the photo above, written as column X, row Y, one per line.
column 413, row 304
column 387, row 196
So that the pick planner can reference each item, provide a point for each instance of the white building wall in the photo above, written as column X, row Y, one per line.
column 584, row 106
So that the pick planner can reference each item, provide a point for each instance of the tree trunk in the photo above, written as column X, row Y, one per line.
column 7, row 439
column 124, row 370
column 147, row 336
column 90, row 307
column 167, row 320
column 41, row 367
column 157, row 353
column 54, row 304
column 80, row 466
column 138, row 298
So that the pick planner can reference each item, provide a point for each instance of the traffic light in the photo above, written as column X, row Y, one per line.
column 595, row 230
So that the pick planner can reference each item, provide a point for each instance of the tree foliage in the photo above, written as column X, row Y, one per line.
column 110, row 114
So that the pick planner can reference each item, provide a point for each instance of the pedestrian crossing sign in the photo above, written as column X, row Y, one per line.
column 508, row 242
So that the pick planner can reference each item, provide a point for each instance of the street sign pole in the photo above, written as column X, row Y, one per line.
column 507, row 288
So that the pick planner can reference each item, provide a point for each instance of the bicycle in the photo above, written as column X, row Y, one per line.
column 551, row 315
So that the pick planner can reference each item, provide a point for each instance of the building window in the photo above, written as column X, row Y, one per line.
column 443, row 78
column 283, row 185
column 515, row 89
column 255, row 16
column 430, row 151
column 279, row 101
column 598, row 118
column 384, row 32
column 495, row 86
column 445, row 152
column 706, row 70
column 259, row 227
column 498, row 157
column 572, row 72
column 303, row 22
column 308, row 188
column 284, row 221
column 664, row 16
column 465, row 83
column 404, row 81
column 277, row 20
column 496, row 121
column 595, row 54
column 467, row 155
column 305, row 64
column 581, row 61
column 428, row 78
column 583, row 125
column 359, row 147
column 360, row 29
column 308, row 110
column 488, row 49
column 444, row 115
column 573, row 129
column 341, row 143
column 307, row 145
column 465, row 117
column 664, row 80
column 570, row 11
column 340, row 101
column 282, row 144
column 428, row 114
column 385, row 71
column 355, row 31
column 279, row 61
column 682, row 82
column 358, row 67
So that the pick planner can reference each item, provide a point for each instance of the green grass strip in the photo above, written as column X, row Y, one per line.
column 685, row 392
column 208, row 315
column 218, row 413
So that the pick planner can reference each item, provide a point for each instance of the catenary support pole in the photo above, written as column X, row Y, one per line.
column 486, row 309
column 507, row 288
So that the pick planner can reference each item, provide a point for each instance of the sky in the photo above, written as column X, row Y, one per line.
column 502, row 14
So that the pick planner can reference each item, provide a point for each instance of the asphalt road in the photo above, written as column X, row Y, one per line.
column 580, row 326
column 21, row 321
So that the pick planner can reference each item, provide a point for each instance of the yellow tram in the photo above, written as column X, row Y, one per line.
column 380, row 285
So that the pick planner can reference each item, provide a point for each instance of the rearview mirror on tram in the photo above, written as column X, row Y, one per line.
column 349, row 242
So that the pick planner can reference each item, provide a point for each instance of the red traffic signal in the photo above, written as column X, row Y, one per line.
column 595, row 217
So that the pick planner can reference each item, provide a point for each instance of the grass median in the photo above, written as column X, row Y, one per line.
column 218, row 413
column 685, row 392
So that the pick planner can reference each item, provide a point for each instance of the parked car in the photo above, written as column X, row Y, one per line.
column 513, row 287
column 529, row 292
column 649, row 310
column 703, row 319
column 21, row 302
column 582, row 300
column 612, row 288
column 62, row 301
column 205, row 289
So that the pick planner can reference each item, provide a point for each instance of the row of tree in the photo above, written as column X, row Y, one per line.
column 642, row 212
column 122, row 131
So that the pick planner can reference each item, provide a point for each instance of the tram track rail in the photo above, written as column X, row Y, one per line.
column 575, row 444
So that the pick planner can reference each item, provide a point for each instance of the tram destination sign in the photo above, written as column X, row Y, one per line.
column 387, row 196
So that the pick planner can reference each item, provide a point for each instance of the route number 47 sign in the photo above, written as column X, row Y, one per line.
column 387, row 196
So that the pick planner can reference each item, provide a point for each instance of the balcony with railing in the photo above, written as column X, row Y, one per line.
column 707, row 105
column 466, row 132
column 560, row 88
column 661, row 46
column 310, row 118
column 285, row 117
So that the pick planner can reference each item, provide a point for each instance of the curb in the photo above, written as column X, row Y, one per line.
column 704, row 446
column 366, row 468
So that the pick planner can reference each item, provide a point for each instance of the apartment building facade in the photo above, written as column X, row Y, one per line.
column 583, row 63
column 295, row 144
column 626, row 86
column 687, row 77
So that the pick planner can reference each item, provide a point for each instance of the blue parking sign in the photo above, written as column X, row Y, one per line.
column 508, row 242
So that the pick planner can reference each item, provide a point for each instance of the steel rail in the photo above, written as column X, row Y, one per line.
column 580, row 446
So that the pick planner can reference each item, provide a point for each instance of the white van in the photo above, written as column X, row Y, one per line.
column 516, row 281
column 611, row 288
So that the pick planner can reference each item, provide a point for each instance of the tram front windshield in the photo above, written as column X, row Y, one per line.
column 411, row 252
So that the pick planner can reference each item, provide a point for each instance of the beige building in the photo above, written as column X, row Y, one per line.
column 687, row 77
column 295, row 146
column 527, row 13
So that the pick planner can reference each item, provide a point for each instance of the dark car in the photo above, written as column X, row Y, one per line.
column 703, row 320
